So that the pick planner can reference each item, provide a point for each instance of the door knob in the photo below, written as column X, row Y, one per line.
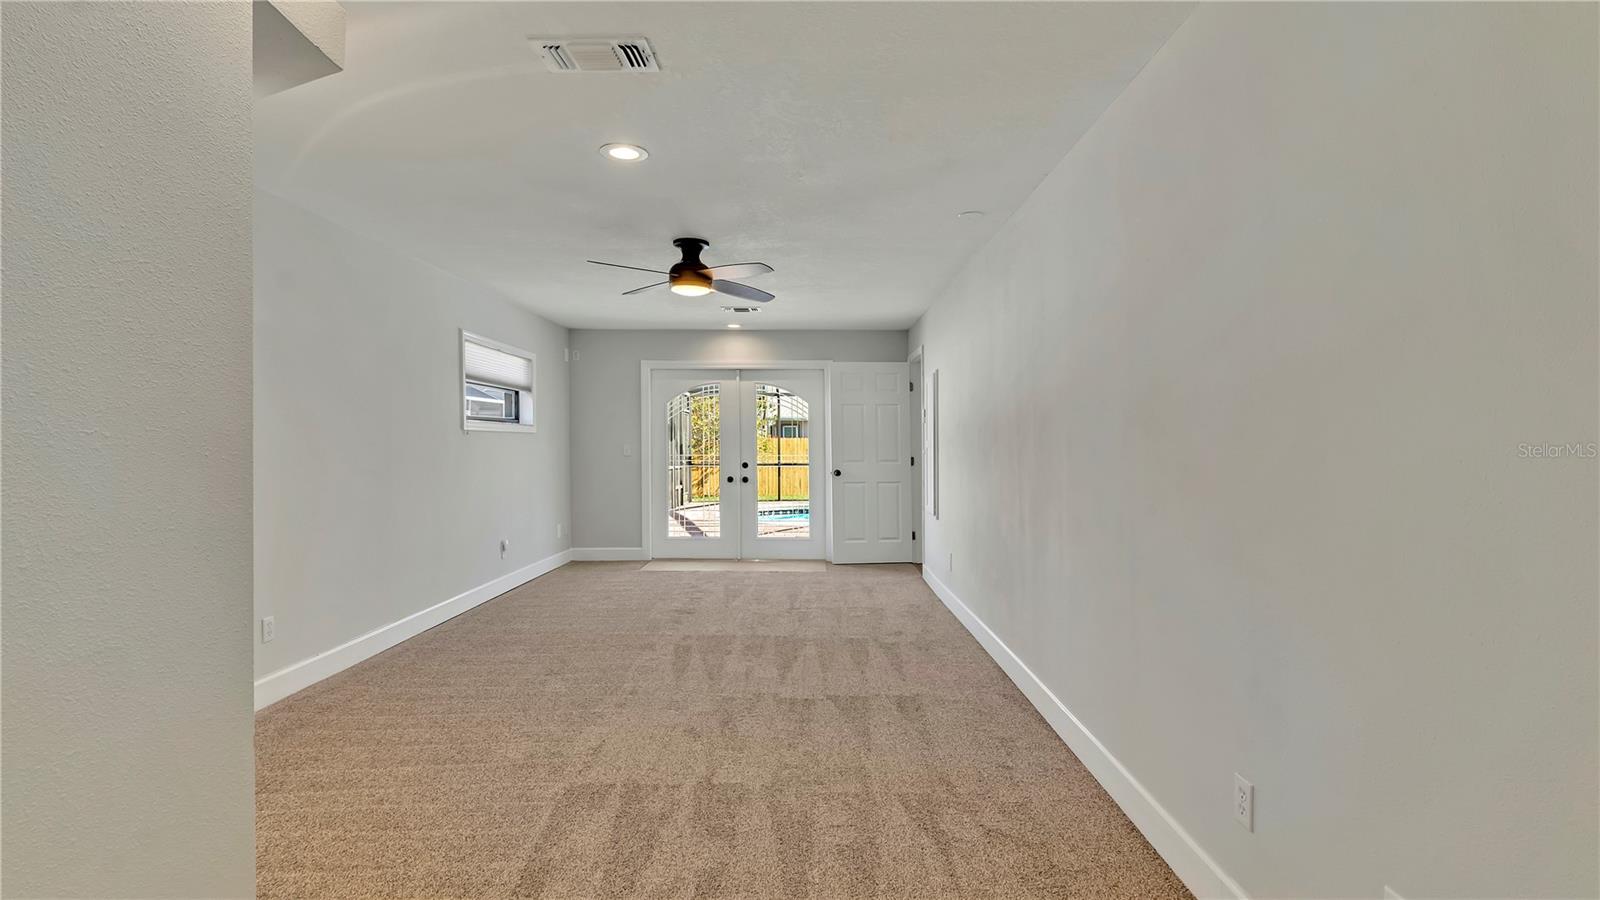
column 730, row 479
column 743, row 478
column 837, row 473
column 744, row 465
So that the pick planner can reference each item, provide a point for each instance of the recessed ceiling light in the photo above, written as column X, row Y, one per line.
column 625, row 152
column 970, row 214
column 734, row 325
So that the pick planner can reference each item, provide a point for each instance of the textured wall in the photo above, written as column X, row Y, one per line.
column 358, row 430
column 605, row 406
column 126, row 488
column 1232, row 415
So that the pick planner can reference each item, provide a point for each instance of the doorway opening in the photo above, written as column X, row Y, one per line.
column 736, row 463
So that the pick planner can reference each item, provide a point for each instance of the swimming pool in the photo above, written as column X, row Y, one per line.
column 791, row 511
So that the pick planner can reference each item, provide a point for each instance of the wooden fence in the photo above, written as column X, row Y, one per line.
column 795, row 476
column 796, row 482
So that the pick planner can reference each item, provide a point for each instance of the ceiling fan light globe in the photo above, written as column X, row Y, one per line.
column 691, row 289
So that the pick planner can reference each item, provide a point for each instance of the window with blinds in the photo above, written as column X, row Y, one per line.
column 497, row 385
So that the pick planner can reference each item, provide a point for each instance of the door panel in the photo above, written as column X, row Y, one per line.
column 871, row 466
column 890, row 511
column 889, row 428
column 852, row 525
column 693, row 508
column 848, row 446
column 783, row 514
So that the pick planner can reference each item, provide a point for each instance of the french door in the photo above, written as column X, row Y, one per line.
column 736, row 464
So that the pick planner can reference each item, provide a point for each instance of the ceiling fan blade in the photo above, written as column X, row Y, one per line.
column 640, row 290
column 742, row 291
column 621, row 266
column 739, row 270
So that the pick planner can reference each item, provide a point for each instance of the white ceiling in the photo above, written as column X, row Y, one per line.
column 835, row 141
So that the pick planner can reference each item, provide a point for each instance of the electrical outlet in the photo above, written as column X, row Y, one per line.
column 269, row 630
column 504, row 546
column 627, row 449
column 1244, row 802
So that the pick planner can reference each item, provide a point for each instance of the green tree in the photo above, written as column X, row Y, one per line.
column 705, row 448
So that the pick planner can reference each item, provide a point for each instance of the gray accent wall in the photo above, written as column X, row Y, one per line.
column 1246, row 420
column 605, row 406
column 371, row 502
column 126, row 489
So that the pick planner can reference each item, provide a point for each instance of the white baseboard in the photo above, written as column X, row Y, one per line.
column 1199, row 872
column 280, row 684
column 596, row 554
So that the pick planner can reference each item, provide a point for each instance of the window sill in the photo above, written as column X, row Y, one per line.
column 498, row 426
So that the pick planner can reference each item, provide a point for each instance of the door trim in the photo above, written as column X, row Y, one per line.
column 647, row 369
column 918, row 443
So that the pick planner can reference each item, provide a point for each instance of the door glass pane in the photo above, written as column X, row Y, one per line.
column 783, row 464
column 694, row 462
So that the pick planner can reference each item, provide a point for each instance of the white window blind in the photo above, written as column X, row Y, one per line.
column 491, row 366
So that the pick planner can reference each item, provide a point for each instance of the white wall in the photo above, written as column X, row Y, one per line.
column 126, row 489
column 1233, row 410
column 358, row 431
column 605, row 406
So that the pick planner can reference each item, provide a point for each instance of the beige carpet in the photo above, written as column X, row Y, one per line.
column 606, row 732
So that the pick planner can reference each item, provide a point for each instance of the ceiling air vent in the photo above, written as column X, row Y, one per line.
column 596, row 54
column 741, row 309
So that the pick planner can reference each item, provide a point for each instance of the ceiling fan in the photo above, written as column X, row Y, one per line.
column 689, row 277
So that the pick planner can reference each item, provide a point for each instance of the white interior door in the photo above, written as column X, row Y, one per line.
column 783, row 507
column 871, row 477
column 695, row 496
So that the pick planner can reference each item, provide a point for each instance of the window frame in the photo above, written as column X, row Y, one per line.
column 527, row 400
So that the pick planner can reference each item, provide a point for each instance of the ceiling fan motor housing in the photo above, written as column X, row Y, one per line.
column 690, row 270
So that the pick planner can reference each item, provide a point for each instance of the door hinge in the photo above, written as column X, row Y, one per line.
column 911, row 385
column 913, row 535
column 913, row 461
